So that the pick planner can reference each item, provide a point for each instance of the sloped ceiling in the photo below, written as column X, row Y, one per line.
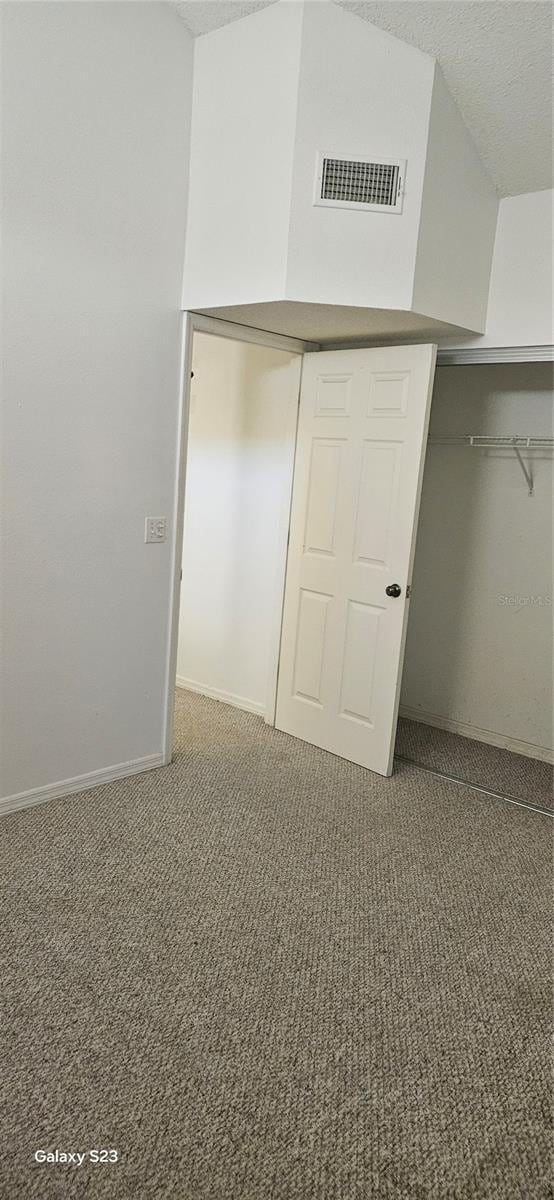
column 496, row 56
column 201, row 16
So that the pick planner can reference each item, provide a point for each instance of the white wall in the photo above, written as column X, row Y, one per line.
column 520, row 303
column 520, row 298
column 458, row 221
column 96, row 106
column 244, row 401
column 362, row 92
column 479, row 650
column 244, row 115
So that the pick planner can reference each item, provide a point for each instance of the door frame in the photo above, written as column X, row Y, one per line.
column 198, row 323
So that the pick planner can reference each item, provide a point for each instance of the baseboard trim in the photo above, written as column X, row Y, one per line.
column 80, row 783
column 489, row 736
column 190, row 685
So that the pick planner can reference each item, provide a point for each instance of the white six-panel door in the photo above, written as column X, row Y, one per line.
column 357, row 482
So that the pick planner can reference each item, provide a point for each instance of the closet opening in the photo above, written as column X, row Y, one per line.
column 242, row 415
column 476, row 697
column 476, row 701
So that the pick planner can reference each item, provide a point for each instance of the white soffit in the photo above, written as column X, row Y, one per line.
column 326, row 323
column 496, row 56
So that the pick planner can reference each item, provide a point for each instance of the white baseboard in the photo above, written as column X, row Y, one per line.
column 190, row 685
column 489, row 736
column 80, row 783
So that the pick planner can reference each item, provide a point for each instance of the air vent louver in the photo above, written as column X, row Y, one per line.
column 360, row 183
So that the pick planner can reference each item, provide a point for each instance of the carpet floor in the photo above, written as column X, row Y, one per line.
column 263, row 973
column 516, row 775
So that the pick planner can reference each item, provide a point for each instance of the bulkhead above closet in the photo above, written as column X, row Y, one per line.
column 335, row 191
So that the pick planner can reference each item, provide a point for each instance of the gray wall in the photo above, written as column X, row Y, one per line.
column 96, row 107
column 479, row 648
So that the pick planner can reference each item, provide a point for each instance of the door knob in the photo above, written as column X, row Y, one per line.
column 393, row 590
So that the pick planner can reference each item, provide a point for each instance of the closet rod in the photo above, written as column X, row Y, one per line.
column 489, row 442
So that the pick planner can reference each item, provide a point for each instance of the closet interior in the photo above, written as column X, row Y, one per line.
column 240, row 457
column 476, row 698
column 476, row 695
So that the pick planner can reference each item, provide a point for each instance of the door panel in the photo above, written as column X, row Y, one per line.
column 360, row 649
column 359, row 464
column 377, row 491
column 310, row 646
column 323, row 487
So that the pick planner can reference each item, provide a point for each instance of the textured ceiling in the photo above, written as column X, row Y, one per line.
column 201, row 16
column 496, row 56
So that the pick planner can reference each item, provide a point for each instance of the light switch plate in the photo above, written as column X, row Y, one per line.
column 155, row 529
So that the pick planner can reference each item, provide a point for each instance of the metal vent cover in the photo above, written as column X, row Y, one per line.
column 375, row 185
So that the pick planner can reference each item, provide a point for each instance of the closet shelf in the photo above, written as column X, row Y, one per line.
column 488, row 442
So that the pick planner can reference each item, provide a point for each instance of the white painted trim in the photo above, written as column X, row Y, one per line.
column 489, row 736
column 80, row 783
column 202, row 323
column 466, row 355
column 190, row 685
column 282, row 549
column 177, row 527
column 456, row 357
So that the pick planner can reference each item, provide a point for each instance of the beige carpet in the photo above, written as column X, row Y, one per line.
column 516, row 775
column 266, row 974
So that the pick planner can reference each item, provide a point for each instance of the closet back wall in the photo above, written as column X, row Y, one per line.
column 479, row 647
column 242, row 428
